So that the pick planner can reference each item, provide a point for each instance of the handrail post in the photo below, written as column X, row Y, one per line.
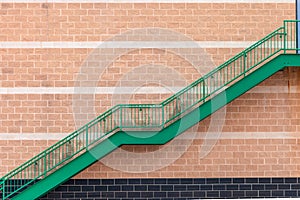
column 203, row 92
column 162, row 115
column 86, row 136
column 120, row 118
column 285, row 37
column 3, row 189
column 245, row 63
column 45, row 164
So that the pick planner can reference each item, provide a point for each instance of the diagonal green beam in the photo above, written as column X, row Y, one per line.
column 142, row 137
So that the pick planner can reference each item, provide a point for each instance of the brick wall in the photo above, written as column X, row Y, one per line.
column 177, row 188
column 259, row 136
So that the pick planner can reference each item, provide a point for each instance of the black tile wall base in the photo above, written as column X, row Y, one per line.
column 203, row 188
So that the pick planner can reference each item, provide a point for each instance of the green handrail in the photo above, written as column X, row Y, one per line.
column 150, row 116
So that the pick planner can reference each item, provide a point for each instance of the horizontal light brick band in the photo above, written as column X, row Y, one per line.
column 128, row 90
column 85, row 90
column 189, row 136
column 146, row 1
column 128, row 44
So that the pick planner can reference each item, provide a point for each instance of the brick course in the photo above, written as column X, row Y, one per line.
column 100, row 21
column 177, row 188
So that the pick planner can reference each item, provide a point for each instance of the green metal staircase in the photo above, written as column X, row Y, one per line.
column 153, row 123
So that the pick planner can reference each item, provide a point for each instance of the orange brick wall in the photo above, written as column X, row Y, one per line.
column 260, row 111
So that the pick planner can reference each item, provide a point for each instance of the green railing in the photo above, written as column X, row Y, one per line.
column 150, row 116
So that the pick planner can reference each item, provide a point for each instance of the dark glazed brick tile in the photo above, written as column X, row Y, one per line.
column 127, row 188
column 258, row 187
column 277, row 193
column 160, row 181
column 251, row 180
column 199, row 181
column 206, row 187
column 107, row 182
column 186, row 194
column 284, row 186
column 219, row 187
column 55, row 195
column 103, row 194
column 290, row 193
column 271, row 186
column 186, row 181
column 213, row 194
column 160, row 194
column 251, row 194
column 193, row 187
column 140, row 188
column 88, row 188
column 277, row 180
column 121, row 182
column 134, row 181
column 68, row 195
column 134, row 194
column 295, row 186
column 94, row 182
column 81, row 182
column 290, row 180
column 153, row 188
column 147, row 181
column 199, row 194
column 226, row 180
column 212, row 181
column 74, row 188
column 238, row 180
column 173, row 194
column 232, row 187
column 180, row 188
column 101, row 188
column 226, row 194
column 238, row 194
column 80, row 195
column 245, row 187
column 112, row 188
column 120, row 194
column 147, row 194
column 173, row 181
column 167, row 188
column 264, row 193
column 264, row 180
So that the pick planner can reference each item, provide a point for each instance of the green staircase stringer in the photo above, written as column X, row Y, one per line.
column 119, row 138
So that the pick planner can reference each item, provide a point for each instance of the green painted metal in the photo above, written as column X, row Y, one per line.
column 152, row 123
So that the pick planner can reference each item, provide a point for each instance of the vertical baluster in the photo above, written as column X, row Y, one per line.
column 86, row 136
column 111, row 122
column 155, row 112
column 124, row 114
column 59, row 155
column 101, row 127
column 291, row 36
column 3, row 189
column 91, row 134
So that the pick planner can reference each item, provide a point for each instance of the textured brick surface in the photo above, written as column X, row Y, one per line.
column 59, row 67
column 177, row 188
column 254, row 112
column 100, row 21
